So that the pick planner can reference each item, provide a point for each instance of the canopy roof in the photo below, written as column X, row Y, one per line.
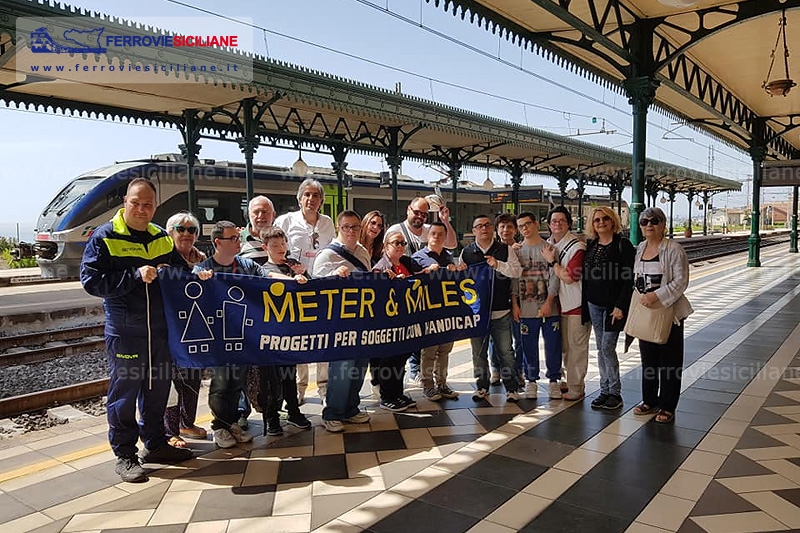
column 288, row 106
column 710, row 56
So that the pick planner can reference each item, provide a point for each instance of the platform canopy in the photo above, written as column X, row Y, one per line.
column 289, row 106
column 709, row 58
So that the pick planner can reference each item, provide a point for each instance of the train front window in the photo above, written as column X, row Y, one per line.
column 70, row 194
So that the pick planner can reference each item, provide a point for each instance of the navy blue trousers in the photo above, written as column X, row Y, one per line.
column 130, row 385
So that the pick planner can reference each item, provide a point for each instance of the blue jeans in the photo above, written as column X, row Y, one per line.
column 500, row 333
column 551, row 332
column 607, row 360
column 518, row 352
column 345, row 379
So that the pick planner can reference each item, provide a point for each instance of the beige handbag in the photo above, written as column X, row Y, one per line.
column 651, row 324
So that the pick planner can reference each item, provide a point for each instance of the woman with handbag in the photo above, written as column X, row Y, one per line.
column 658, row 309
column 607, row 286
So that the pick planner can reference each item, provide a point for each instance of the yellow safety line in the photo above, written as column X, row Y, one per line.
column 49, row 463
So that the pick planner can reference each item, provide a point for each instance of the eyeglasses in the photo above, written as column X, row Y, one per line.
column 348, row 227
column 485, row 225
column 558, row 221
column 604, row 218
column 180, row 229
column 524, row 225
column 315, row 240
column 651, row 221
column 398, row 243
column 418, row 213
column 232, row 238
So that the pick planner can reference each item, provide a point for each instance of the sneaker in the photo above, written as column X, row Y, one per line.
column 432, row 394
column 223, row 438
column 334, row 426
column 531, row 390
column 360, row 418
column 415, row 380
column 166, row 455
column 512, row 396
column 376, row 392
column 298, row 420
column 239, row 434
column 395, row 406
column 130, row 470
column 274, row 428
column 494, row 380
column 242, row 423
column 447, row 392
column 480, row 394
column 408, row 400
column 613, row 402
column 573, row 396
column 555, row 390
column 598, row 402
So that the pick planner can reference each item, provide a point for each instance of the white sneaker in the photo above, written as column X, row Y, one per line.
column 480, row 394
column 555, row 390
column 360, row 418
column 376, row 392
column 239, row 434
column 334, row 426
column 531, row 390
column 512, row 396
column 223, row 438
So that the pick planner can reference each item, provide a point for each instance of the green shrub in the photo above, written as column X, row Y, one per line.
column 12, row 263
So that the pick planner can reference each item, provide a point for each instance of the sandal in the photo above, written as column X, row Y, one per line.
column 176, row 442
column 643, row 409
column 664, row 417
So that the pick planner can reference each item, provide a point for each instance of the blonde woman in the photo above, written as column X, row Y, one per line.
column 607, row 286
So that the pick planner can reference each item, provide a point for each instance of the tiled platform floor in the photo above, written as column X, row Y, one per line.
column 730, row 463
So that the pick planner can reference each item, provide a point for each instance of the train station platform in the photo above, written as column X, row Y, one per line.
column 730, row 463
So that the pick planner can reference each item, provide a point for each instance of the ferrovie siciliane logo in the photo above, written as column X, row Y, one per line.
column 75, row 41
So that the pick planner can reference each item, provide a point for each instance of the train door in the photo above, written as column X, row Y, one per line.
column 331, row 197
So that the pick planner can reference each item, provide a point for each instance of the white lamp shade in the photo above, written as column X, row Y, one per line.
column 300, row 168
column 488, row 184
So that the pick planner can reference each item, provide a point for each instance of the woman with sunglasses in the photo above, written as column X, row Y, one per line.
column 184, row 228
column 373, row 227
column 389, row 371
column 661, row 274
column 308, row 232
column 607, row 286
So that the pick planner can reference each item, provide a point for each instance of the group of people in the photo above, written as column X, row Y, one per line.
column 557, row 287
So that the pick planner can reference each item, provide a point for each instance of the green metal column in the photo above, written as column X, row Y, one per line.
column 671, row 195
column 563, row 181
column 454, row 171
column 705, row 212
column 641, row 92
column 581, row 188
column 516, row 181
column 394, row 160
column 690, row 197
column 339, row 165
column 190, row 150
column 248, row 143
column 758, row 153
column 793, row 242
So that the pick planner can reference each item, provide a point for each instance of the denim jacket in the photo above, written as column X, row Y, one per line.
column 675, row 280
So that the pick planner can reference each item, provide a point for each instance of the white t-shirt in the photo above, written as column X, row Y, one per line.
column 415, row 242
column 303, row 245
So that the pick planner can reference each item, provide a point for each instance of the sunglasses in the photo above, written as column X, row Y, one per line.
column 418, row 213
column 604, row 218
column 399, row 243
column 180, row 229
column 651, row 221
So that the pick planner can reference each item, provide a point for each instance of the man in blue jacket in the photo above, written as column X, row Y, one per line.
column 120, row 265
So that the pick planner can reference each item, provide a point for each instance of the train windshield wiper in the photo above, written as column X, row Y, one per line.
column 63, row 209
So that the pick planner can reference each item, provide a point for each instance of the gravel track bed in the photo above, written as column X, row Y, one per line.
column 71, row 370
column 94, row 406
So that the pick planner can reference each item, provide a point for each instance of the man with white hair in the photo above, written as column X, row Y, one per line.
column 261, row 214
column 308, row 231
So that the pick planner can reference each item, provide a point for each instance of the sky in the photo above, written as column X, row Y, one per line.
column 46, row 151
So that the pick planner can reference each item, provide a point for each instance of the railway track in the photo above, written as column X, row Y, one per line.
column 32, row 347
column 703, row 250
column 36, row 401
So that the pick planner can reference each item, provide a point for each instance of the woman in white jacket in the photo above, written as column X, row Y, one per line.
column 661, row 274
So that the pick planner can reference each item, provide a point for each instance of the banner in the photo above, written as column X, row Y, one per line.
column 235, row 319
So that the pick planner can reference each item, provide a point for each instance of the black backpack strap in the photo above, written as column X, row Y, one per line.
column 344, row 252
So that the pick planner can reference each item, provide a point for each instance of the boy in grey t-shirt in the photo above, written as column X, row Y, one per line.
column 534, row 304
